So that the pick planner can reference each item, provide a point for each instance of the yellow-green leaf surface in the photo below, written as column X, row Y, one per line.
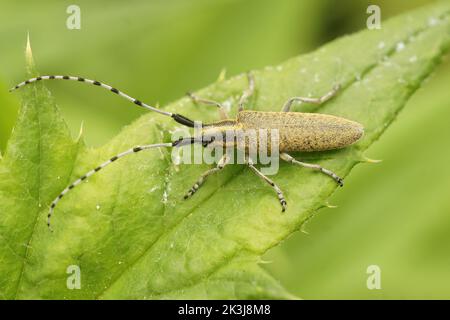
column 129, row 230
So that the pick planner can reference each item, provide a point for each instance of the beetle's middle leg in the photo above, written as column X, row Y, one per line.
column 329, row 173
column 271, row 183
column 323, row 99
column 220, row 165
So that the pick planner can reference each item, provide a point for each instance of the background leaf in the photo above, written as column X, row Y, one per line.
column 129, row 221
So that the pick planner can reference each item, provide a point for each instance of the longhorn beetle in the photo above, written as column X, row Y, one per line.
column 297, row 132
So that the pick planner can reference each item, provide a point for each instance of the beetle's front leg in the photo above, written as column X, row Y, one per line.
column 220, row 165
column 323, row 99
column 248, row 92
column 196, row 99
column 317, row 167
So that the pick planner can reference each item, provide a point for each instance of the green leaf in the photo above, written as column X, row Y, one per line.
column 9, row 105
column 129, row 230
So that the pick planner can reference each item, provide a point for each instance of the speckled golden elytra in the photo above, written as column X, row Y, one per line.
column 297, row 131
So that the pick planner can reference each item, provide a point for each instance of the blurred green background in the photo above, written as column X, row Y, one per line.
column 395, row 214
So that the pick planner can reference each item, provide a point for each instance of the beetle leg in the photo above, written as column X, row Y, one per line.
column 196, row 99
column 220, row 165
column 329, row 173
column 323, row 99
column 270, row 182
column 248, row 92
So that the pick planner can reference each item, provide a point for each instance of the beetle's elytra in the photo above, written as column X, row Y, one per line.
column 296, row 132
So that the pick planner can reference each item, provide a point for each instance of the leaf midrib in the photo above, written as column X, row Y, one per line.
column 30, row 240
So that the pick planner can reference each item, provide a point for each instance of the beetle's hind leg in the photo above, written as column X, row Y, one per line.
column 196, row 99
column 220, row 165
column 323, row 99
column 329, row 173
column 271, row 183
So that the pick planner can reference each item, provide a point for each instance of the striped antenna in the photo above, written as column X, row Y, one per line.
column 177, row 117
column 177, row 143
column 100, row 167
